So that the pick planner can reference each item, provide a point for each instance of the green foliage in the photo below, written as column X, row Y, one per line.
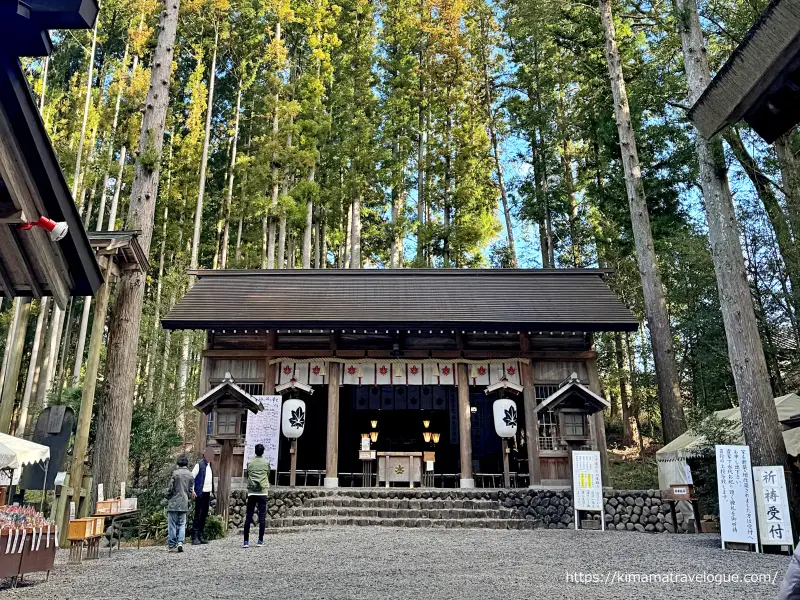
column 215, row 528
column 636, row 474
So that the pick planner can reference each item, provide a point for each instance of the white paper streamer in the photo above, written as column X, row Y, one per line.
column 47, row 543
column 39, row 541
column 56, row 536
column 22, row 542
column 14, row 543
column 8, row 543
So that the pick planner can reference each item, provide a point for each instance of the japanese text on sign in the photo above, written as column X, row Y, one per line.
column 264, row 427
column 736, row 497
column 774, row 524
column 586, row 480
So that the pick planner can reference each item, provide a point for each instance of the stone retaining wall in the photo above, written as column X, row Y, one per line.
column 625, row 510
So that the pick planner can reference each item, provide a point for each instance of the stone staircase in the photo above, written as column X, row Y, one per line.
column 405, row 508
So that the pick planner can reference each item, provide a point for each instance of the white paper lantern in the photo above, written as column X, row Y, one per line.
column 505, row 417
column 293, row 421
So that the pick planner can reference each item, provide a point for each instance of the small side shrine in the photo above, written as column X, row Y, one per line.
column 224, row 404
column 575, row 407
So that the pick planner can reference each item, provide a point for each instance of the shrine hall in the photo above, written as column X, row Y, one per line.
column 403, row 366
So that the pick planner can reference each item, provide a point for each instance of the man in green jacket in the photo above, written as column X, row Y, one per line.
column 257, row 486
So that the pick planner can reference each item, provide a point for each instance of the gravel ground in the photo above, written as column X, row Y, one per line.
column 388, row 563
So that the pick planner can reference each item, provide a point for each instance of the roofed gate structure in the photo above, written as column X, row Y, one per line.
column 396, row 354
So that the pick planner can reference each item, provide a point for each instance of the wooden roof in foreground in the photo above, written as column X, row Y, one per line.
column 32, row 185
column 760, row 82
column 539, row 299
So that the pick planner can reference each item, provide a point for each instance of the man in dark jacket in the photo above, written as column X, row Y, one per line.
column 203, row 491
column 180, row 486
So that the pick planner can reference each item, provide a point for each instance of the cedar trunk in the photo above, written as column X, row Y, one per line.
column 655, row 305
column 759, row 415
column 114, row 425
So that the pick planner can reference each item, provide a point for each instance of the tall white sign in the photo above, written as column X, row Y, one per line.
column 264, row 427
column 587, row 480
column 737, row 513
column 774, row 524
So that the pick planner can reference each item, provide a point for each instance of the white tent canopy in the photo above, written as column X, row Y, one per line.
column 8, row 458
column 671, row 458
column 27, row 453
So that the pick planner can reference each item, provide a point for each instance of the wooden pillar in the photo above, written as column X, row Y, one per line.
column 599, row 420
column 8, row 395
column 224, row 479
column 33, row 368
column 202, row 418
column 332, row 448
column 531, row 423
column 506, row 469
column 464, row 427
column 89, row 387
column 293, row 465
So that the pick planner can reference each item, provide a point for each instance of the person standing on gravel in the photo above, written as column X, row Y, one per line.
column 180, row 486
column 203, row 490
column 257, row 486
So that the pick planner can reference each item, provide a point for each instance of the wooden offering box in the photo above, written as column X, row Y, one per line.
column 80, row 529
column 108, row 507
column 99, row 525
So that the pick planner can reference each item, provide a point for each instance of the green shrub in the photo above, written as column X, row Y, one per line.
column 214, row 528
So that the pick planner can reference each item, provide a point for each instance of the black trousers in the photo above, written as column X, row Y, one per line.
column 201, row 504
column 252, row 502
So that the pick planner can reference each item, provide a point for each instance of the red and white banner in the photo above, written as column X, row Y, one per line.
column 398, row 373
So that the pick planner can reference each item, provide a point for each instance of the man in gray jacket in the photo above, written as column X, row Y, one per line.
column 180, row 486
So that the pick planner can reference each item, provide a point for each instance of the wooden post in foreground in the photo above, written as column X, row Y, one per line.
column 22, row 310
column 89, row 387
column 224, row 487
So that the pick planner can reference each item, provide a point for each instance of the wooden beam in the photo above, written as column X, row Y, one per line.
column 351, row 353
column 6, row 283
column 27, row 268
column 560, row 355
column 599, row 421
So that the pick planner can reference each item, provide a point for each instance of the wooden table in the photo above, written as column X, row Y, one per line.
column 123, row 516
column 695, row 509
column 400, row 467
column 76, row 548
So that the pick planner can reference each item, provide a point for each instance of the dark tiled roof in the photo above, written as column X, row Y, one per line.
column 552, row 300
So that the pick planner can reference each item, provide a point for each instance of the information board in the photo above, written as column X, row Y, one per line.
column 737, row 513
column 587, row 480
column 264, row 427
column 772, row 506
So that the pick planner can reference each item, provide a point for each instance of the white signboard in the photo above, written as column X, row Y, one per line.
column 587, row 481
column 774, row 524
column 264, row 427
column 737, row 513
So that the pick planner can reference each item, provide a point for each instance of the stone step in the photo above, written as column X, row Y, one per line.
column 295, row 522
column 414, row 493
column 425, row 512
column 395, row 503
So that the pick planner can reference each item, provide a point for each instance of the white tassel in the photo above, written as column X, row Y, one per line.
column 56, row 536
column 8, row 543
column 47, row 543
column 22, row 542
column 39, row 541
